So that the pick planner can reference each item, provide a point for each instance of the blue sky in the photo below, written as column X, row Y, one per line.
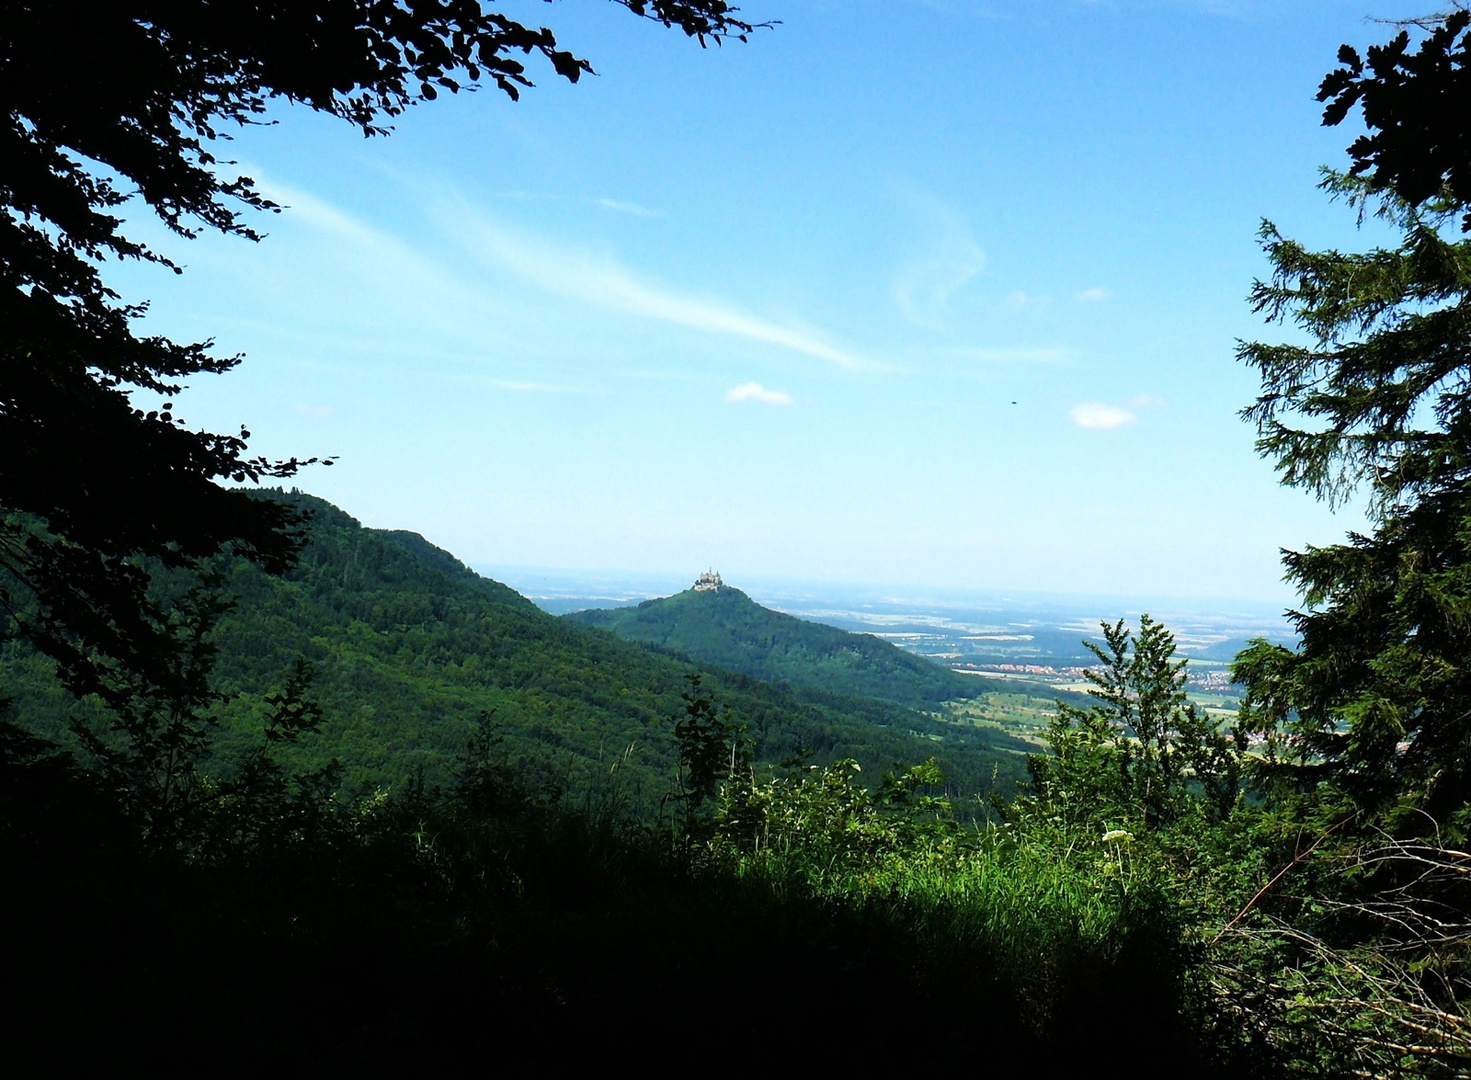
column 898, row 293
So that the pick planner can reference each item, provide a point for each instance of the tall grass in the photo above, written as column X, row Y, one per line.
column 1058, row 944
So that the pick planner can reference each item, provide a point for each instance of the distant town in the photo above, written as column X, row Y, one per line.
column 1211, row 679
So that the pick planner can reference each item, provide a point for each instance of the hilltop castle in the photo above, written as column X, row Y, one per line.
column 709, row 581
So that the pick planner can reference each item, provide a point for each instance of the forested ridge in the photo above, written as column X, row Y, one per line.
column 725, row 627
column 410, row 649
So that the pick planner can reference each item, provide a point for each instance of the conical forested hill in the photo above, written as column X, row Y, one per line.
column 725, row 627
column 411, row 649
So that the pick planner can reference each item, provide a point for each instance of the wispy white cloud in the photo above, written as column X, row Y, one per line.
column 557, row 268
column 754, row 391
column 602, row 280
column 629, row 208
column 1092, row 296
column 321, row 215
column 1019, row 300
column 1036, row 10
column 1097, row 416
column 923, row 288
column 313, row 410
column 378, row 255
column 1145, row 401
column 1012, row 356
column 526, row 387
column 951, row 258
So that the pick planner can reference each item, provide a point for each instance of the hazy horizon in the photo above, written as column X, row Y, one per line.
column 944, row 294
column 612, row 587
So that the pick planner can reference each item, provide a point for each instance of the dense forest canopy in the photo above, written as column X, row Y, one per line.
column 410, row 651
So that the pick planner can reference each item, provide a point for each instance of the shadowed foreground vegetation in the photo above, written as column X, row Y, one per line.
column 1131, row 898
column 485, row 923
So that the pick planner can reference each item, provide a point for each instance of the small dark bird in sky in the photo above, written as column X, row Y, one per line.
column 1013, row 403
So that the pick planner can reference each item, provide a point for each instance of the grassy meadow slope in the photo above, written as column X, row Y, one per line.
column 725, row 627
column 411, row 649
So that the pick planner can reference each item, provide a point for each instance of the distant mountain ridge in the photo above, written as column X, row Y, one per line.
column 718, row 624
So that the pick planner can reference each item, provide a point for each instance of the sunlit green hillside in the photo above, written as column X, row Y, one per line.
column 725, row 627
column 410, row 648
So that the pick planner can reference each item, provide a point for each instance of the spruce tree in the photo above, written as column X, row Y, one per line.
column 1375, row 403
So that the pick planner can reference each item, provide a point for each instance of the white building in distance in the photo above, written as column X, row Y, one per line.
column 709, row 581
